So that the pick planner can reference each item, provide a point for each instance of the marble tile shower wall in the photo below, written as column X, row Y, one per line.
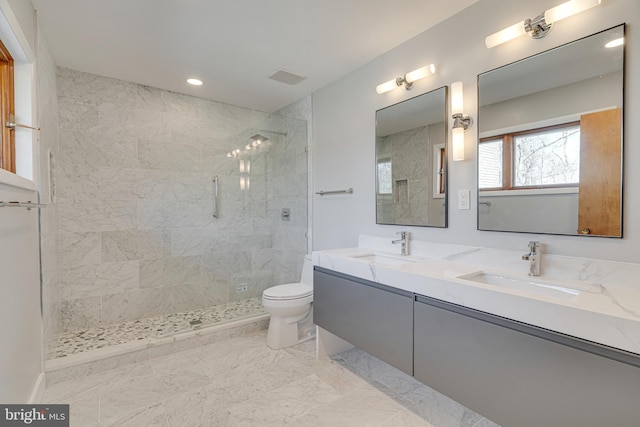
column 137, row 238
column 409, row 203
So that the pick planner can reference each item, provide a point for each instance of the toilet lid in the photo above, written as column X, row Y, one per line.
column 288, row 291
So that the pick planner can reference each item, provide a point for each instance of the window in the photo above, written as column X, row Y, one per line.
column 490, row 166
column 537, row 158
column 7, row 109
column 384, row 176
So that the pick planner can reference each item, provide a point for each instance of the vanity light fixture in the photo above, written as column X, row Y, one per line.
column 407, row 80
column 460, row 122
column 540, row 26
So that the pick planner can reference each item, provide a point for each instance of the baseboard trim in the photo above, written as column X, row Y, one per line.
column 38, row 389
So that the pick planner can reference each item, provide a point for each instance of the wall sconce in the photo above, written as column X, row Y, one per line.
column 407, row 80
column 540, row 26
column 460, row 121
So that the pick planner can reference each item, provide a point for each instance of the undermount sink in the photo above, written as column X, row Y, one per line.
column 384, row 259
column 530, row 285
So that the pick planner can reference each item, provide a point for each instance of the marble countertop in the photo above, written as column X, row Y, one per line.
column 605, row 310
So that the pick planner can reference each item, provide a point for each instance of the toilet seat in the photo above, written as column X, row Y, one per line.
column 289, row 291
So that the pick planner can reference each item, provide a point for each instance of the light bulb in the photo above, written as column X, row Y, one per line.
column 457, row 144
column 420, row 73
column 503, row 36
column 457, row 97
column 567, row 9
column 386, row 86
column 194, row 82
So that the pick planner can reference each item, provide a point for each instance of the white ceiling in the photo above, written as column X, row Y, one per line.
column 232, row 45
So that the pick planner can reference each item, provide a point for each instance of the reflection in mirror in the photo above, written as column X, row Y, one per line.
column 411, row 161
column 550, row 140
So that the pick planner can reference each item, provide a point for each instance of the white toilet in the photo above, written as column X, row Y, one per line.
column 290, row 308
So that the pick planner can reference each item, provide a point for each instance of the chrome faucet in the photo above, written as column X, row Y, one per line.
column 404, row 241
column 534, row 258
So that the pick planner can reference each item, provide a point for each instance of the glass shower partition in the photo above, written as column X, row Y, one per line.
column 255, row 232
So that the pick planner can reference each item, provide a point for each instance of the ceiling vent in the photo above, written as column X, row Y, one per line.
column 286, row 77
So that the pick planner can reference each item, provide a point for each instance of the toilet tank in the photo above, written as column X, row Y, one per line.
column 307, row 270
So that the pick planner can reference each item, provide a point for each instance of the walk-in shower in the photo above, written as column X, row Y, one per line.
column 171, row 212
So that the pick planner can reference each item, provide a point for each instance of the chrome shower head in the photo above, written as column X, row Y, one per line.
column 257, row 137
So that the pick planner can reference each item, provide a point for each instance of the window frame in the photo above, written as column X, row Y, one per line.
column 508, row 157
column 7, row 110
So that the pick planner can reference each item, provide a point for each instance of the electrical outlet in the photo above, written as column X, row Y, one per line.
column 463, row 199
column 242, row 288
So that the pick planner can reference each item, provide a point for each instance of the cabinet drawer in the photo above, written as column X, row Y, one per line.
column 373, row 317
column 517, row 379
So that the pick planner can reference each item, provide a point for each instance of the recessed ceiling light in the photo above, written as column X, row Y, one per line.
column 194, row 82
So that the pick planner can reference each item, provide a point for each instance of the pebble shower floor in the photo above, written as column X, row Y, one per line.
column 154, row 327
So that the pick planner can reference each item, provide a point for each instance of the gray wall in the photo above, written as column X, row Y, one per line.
column 344, row 114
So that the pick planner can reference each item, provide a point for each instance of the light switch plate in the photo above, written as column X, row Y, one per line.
column 463, row 199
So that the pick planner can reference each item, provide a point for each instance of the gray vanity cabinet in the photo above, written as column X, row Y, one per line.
column 515, row 378
column 373, row 317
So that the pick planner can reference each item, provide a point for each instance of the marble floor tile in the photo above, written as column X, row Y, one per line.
column 285, row 404
column 242, row 382
column 404, row 385
column 484, row 422
column 86, row 410
column 365, row 406
column 441, row 411
column 406, row 418
column 341, row 379
column 206, row 406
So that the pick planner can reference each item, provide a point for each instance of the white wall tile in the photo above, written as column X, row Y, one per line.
column 99, row 279
column 97, row 215
column 135, row 170
column 80, row 249
column 135, row 245
column 134, row 305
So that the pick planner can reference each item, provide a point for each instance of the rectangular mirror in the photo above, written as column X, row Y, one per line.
column 411, row 161
column 550, row 140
